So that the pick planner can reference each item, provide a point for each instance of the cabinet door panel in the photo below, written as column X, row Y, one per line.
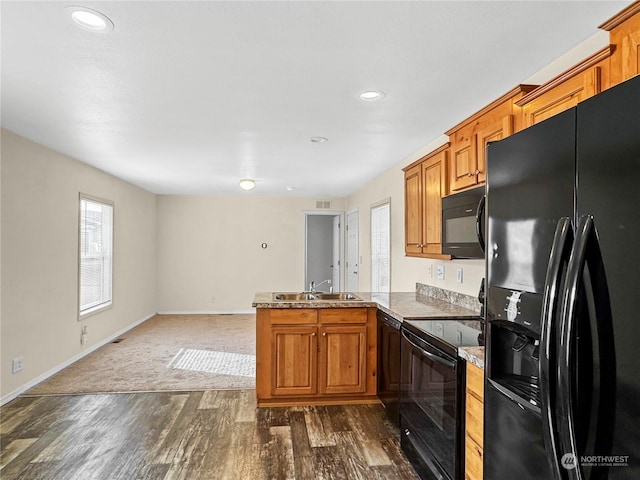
column 433, row 173
column 413, row 210
column 294, row 360
column 463, row 163
column 492, row 133
column 343, row 359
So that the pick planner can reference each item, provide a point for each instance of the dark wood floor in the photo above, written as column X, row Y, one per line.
column 194, row 435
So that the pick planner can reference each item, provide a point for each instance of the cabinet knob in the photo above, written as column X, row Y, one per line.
column 470, row 174
column 313, row 334
column 324, row 334
column 478, row 172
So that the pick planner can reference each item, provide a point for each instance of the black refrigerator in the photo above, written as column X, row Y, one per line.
column 562, row 393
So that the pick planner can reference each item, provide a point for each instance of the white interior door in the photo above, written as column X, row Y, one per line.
column 335, row 263
column 352, row 252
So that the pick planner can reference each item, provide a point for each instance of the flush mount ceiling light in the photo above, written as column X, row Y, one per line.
column 319, row 139
column 247, row 184
column 90, row 20
column 372, row 96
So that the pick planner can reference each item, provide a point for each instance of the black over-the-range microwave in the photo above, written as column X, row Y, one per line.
column 463, row 226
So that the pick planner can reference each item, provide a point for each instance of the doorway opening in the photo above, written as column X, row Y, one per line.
column 324, row 250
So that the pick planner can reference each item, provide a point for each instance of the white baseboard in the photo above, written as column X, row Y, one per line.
column 211, row 312
column 32, row 383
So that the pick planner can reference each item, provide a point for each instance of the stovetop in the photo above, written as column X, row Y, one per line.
column 449, row 334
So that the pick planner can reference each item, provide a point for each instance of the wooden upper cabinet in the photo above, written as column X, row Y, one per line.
column 584, row 80
column 434, row 177
column 425, row 185
column 498, row 130
column 464, row 159
column 413, row 209
column 624, row 34
column 469, row 138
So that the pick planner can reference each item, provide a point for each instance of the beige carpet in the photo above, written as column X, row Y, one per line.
column 166, row 353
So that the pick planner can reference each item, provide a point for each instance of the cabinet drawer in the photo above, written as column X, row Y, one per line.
column 343, row 315
column 293, row 316
column 475, row 381
column 474, row 418
column 473, row 460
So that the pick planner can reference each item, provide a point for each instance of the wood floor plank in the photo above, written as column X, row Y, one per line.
column 328, row 465
column 246, row 407
column 318, row 435
column 367, row 432
column 281, row 454
column 12, row 470
column 355, row 463
column 196, row 436
column 208, row 400
column 14, row 449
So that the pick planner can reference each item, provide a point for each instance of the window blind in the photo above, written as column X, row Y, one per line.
column 96, row 254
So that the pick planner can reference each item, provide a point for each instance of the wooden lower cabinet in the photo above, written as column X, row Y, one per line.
column 295, row 363
column 474, row 409
column 315, row 356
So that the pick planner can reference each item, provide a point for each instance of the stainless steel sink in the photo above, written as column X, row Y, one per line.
column 294, row 297
column 308, row 296
column 341, row 296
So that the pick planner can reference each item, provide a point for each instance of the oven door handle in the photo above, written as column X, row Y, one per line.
column 433, row 356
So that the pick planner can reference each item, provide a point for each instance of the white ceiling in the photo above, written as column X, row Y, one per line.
column 189, row 97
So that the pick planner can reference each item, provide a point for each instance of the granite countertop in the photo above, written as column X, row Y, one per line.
column 474, row 355
column 400, row 305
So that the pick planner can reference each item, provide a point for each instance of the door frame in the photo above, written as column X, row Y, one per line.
column 346, row 258
column 332, row 213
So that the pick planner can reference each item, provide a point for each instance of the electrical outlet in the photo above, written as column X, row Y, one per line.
column 17, row 364
column 430, row 271
column 459, row 275
column 212, row 300
column 84, row 331
column 440, row 272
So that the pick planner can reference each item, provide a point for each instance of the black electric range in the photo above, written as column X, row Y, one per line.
column 431, row 394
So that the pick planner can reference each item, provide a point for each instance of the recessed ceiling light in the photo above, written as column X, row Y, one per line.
column 90, row 20
column 319, row 139
column 247, row 184
column 372, row 96
column 290, row 189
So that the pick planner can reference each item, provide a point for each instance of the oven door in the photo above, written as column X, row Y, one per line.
column 430, row 408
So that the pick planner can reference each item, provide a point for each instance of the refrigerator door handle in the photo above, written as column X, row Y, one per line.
column 586, row 253
column 560, row 250
column 479, row 215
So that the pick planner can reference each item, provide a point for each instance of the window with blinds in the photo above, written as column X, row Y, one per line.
column 96, row 254
column 380, row 248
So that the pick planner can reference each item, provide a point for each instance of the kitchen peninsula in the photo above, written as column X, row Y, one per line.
column 320, row 351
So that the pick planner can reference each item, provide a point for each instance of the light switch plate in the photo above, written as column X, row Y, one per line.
column 459, row 275
column 440, row 272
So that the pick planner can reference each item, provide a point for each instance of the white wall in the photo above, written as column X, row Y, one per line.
column 210, row 257
column 405, row 271
column 39, row 258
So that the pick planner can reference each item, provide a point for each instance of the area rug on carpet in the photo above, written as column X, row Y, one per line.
column 166, row 353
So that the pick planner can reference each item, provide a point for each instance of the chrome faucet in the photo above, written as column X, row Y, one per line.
column 313, row 286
